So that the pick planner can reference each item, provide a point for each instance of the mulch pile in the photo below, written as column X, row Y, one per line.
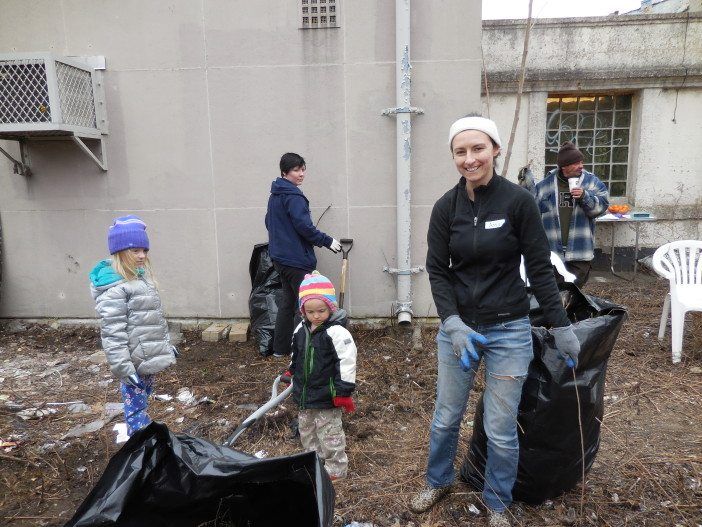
column 648, row 471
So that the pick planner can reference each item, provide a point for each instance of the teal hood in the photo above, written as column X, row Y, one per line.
column 103, row 274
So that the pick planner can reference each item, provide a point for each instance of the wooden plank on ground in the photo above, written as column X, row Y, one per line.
column 239, row 332
column 215, row 332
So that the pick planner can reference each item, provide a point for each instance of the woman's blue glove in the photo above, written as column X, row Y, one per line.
column 567, row 345
column 464, row 341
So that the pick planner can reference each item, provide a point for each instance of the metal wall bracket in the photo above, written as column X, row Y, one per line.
column 23, row 168
column 403, row 109
column 19, row 167
column 402, row 307
column 410, row 271
column 102, row 163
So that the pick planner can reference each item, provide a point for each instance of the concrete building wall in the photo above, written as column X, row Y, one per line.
column 202, row 99
column 657, row 59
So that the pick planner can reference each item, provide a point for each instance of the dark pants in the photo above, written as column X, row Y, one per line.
column 580, row 269
column 291, row 277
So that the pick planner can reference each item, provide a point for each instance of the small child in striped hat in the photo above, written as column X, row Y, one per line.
column 323, row 373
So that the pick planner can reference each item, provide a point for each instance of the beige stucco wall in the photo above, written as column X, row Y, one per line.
column 611, row 45
column 202, row 99
column 656, row 58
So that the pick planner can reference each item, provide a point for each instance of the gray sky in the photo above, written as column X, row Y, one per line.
column 493, row 9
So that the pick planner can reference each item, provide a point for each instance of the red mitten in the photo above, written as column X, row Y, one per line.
column 346, row 403
column 286, row 377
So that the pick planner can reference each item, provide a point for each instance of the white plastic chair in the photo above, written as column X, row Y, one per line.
column 557, row 263
column 681, row 263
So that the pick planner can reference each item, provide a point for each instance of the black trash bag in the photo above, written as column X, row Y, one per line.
column 161, row 479
column 266, row 293
column 550, row 456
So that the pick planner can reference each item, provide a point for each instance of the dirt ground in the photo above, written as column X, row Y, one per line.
column 648, row 471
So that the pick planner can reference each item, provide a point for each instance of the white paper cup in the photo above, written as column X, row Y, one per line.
column 573, row 182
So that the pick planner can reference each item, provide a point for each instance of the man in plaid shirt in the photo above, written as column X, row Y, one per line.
column 570, row 199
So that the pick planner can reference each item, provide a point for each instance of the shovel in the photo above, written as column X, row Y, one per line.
column 275, row 400
column 346, row 246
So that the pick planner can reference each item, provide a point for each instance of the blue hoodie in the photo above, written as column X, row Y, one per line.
column 291, row 233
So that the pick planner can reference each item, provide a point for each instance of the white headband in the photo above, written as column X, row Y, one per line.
column 475, row 123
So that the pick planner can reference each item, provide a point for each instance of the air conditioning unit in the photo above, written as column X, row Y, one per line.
column 45, row 96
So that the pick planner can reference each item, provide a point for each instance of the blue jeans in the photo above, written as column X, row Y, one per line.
column 136, row 402
column 506, row 362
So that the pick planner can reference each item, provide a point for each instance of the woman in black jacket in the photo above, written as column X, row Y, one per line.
column 478, row 232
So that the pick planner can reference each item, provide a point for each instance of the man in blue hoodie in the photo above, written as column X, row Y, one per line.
column 291, row 240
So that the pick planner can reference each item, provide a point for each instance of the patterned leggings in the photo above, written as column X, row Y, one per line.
column 136, row 402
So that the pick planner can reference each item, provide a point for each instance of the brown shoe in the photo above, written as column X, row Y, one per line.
column 426, row 498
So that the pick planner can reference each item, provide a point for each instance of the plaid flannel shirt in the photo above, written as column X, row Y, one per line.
column 581, row 235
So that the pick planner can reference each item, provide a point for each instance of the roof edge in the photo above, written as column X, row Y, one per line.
column 617, row 20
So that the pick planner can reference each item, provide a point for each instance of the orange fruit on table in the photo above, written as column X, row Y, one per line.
column 619, row 209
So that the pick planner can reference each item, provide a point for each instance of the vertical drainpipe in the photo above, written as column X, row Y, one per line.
column 403, row 113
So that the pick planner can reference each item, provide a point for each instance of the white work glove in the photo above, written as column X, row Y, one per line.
column 335, row 246
column 567, row 345
column 463, row 341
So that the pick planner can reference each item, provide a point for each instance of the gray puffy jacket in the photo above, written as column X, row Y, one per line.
column 133, row 327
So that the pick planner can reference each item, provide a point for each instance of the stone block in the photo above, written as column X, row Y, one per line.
column 216, row 332
column 239, row 332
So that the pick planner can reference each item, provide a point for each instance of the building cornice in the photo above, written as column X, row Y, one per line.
column 584, row 80
column 610, row 20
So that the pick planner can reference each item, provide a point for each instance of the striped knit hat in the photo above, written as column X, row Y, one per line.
column 320, row 287
column 127, row 232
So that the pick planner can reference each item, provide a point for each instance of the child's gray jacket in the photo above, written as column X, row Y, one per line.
column 133, row 327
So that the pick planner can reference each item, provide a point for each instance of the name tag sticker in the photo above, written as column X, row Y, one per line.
column 495, row 224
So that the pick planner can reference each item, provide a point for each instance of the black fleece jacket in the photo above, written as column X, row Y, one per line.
column 474, row 252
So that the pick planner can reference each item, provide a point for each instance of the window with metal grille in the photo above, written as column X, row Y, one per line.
column 318, row 20
column 599, row 125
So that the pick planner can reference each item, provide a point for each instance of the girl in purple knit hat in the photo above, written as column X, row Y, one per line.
column 132, row 324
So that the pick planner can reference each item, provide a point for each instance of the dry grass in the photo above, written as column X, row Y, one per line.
column 648, row 471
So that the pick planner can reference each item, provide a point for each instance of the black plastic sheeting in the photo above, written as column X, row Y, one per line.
column 266, row 293
column 163, row 479
column 550, row 455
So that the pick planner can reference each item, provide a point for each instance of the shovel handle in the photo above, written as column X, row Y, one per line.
column 346, row 246
column 342, row 288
